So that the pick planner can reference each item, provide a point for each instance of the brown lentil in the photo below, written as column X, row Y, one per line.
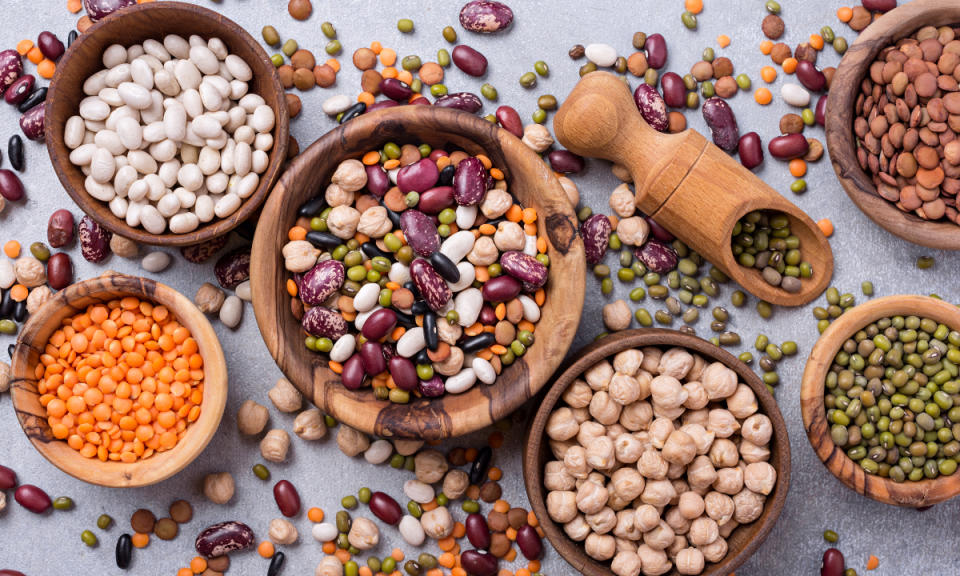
column 364, row 59
column 370, row 81
column 725, row 87
column 815, row 150
column 166, row 529
column 780, row 52
column 490, row 492
column 303, row 59
column 791, row 124
column 637, row 64
column 772, row 26
column 300, row 9
column 286, row 76
column 294, row 105
column 324, row 75
column 303, row 79
column 639, row 40
column 143, row 521
column 861, row 18
column 181, row 511
column 722, row 66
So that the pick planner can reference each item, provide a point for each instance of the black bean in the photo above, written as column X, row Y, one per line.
column 478, row 471
column 276, row 564
column 7, row 305
column 10, row 350
column 419, row 307
column 20, row 311
column 393, row 216
column 312, row 207
column 15, row 152
column 430, row 330
column 405, row 319
column 124, row 551
column 413, row 288
column 446, row 175
column 352, row 112
column 72, row 37
column 422, row 357
column 372, row 250
column 323, row 240
column 478, row 342
column 445, row 267
column 35, row 97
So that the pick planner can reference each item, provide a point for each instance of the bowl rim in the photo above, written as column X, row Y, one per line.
column 449, row 415
column 536, row 442
column 908, row 494
column 97, row 210
column 160, row 466
column 841, row 144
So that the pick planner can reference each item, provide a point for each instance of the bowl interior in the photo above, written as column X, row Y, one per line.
column 910, row 494
column 842, row 142
column 529, row 180
column 133, row 25
column 744, row 540
column 32, row 415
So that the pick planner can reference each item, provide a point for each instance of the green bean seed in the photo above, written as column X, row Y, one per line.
column 547, row 102
column 708, row 54
column 438, row 90
column 637, row 294
column 540, row 116
column 799, row 186
column 333, row 47
column 89, row 538
column 488, row 91
column 470, row 506
column 8, row 326
column 643, row 317
column 328, row 30
column 276, row 60
column 587, row 68
column 809, row 118
column 541, row 68
column 349, row 502
column 925, row 262
column 827, row 33
column 738, row 298
column 270, row 35
column 104, row 521
column 405, row 25
column 443, row 57
column 840, row 45
column 528, row 80
column 689, row 20
column 707, row 90
column 830, row 536
column 261, row 471
column 867, row 288
column 63, row 503
column 411, row 63
column 693, row 100
column 651, row 76
column 743, row 81
column 746, row 357
column 449, row 34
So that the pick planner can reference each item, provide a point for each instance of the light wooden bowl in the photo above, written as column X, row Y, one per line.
column 842, row 142
column 909, row 494
column 32, row 416
column 136, row 24
column 452, row 414
column 744, row 540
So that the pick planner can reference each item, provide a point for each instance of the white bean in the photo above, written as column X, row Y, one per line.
column 93, row 108
column 111, row 96
column 467, row 275
column 231, row 313
column 263, row 118
column 206, row 126
column 343, row 348
column 461, row 381
column 82, row 155
column 378, row 452
column 250, row 102
column 531, row 312
column 166, row 83
column 168, row 205
column 238, row 119
column 163, row 151
column 226, row 205
column 466, row 216
column 366, row 298
column 157, row 187
column 210, row 96
column 152, row 220
column 458, row 245
column 399, row 273
column 156, row 261
column 238, row 89
column 217, row 183
column 114, row 55
column 242, row 159
column 118, row 75
column 261, row 161
column 468, row 305
column 154, row 112
column 204, row 59
column 209, row 160
column 156, row 49
column 123, row 179
column 484, row 370
column 187, row 198
column 263, row 141
column 238, row 68
column 142, row 161
column 184, row 222
column 95, row 83
column 192, row 102
column 247, row 185
column 244, row 291
column 110, row 140
column 134, row 52
column 154, row 132
column 412, row 531
column 175, row 120
column 176, row 45
column 411, row 342
column 324, row 532
column 335, row 104
column 190, row 177
column 133, row 214
column 73, row 132
column 130, row 134
column 102, row 166
column 138, row 190
column 419, row 492
column 118, row 206
column 204, row 208
column 135, row 95
column 168, row 172
column 103, row 192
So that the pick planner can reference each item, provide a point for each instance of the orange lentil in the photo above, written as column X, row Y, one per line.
column 12, row 249
column 365, row 571
column 529, row 215
column 873, row 562
column 371, row 158
column 514, row 213
column 723, row 40
column 459, row 530
column 336, row 367
column 542, row 245
column 501, row 312
column 388, row 56
column 766, row 47
column 530, row 229
column 342, row 555
column 435, row 572
column 315, row 515
column 695, row 6
column 522, row 572
column 494, row 473
column 496, row 173
column 19, row 293
column 768, row 73
column 789, row 65
column 512, row 533
column 333, row 63
column 46, row 68
column 391, row 164
column 442, row 161
column 297, row 233
column 495, row 440
column 446, row 560
column 816, row 41
column 35, row 55
column 526, row 325
column 24, row 46
column 398, row 333
column 481, row 273
column 511, row 555
column 762, row 96
column 844, row 14
column 446, row 544
column 485, row 161
column 393, row 285
column 140, row 540
column 431, row 505
column 534, row 566
column 329, row 547
column 532, row 519
column 826, row 226
column 540, row 296
column 501, row 506
column 184, row 572
column 498, row 349
column 367, row 98
column 266, row 549
column 376, row 47
column 74, row 6
column 198, row 564
column 487, row 229
column 397, row 554
column 458, row 571
column 405, row 76
column 292, row 288
column 389, row 72
column 798, row 167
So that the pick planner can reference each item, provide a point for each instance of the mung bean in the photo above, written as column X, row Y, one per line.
column 528, row 80
column 405, row 25
column 488, row 91
column 449, row 34
column 270, row 35
column 643, row 317
column 539, row 116
column 333, row 47
column 328, row 30
column 541, row 68
column 689, row 20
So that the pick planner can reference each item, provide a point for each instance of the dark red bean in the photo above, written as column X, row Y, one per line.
column 8, row 478
column 32, row 122
column 11, row 188
column 8, row 572
column 821, row 110
column 529, row 542
column 287, row 497
column 224, row 538
column 432, row 388
column 404, row 373
column 657, row 256
column 485, row 16
column 722, row 123
column 674, row 91
column 420, row 232
column 11, row 67
column 378, row 106
column 501, row 289
column 595, row 232
column 32, row 498
column 379, row 324
column 524, row 267
column 59, row 271
column 469, row 182
column 432, row 286
column 565, row 161
column 421, row 102
column 353, row 373
column 384, row 507
column 488, row 316
column 50, row 46
column 788, row 147
column 94, row 240
column 320, row 321
column 879, row 5
column 434, row 200
column 465, row 101
column 19, row 90
column 60, row 228
column 810, row 77
column 472, row 62
column 652, row 107
column 395, row 89
column 510, row 120
column 377, row 180
column 420, row 176
column 656, row 47
column 479, row 563
column 751, row 150
column 659, row 232
column 321, row 281
column 833, row 563
column 478, row 533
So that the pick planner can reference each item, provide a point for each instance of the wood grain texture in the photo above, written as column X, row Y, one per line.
column 908, row 494
column 690, row 186
column 32, row 416
column 530, row 180
column 136, row 24
column 745, row 540
column 842, row 142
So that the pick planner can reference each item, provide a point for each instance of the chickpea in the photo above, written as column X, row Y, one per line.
column 537, row 137
column 374, row 222
column 590, row 430
column 37, row 298
column 636, row 416
column 627, row 483
column 757, row 429
column 352, row 442
column 760, row 477
column 701, row 473
column 671, row 414
column 719, row 506
column 696, row 372
column 751, row 453
column 675, row 362
column 702, row 439
column 628, row 362
column 625, row 563
column 652, row 465
column 30, row 271
column 675, row 519
column 438, row 523
column 715, row 551
column 691, row 505
column 600, row 546
column 285, row 396
column 723, row 453
column 364, row 533
column 616, row 502
column 675, row 472
column 667, row 392
column 559, row 448
column 561, row 425
column 430, row 466
column 625, row 527
column 509, row 236
column 729, row 480
column 456, row 481
column 582, row 415
column 697, row 397
column 614, row 430
column 623, row 203
column 719, row 381
column 310, row 425
column 654, row 562
column 570, row 188
column 578, row 395
column 617, row 316
column 660, row 430
column 748, row 506
column 701, row 417
column 299, row 256
column 484, row 252
column 562, row 505
column 646, row 517
column 658, row 493
column 599, row 375
column 555, row 477
column 592, row 497
column 283, row 532
column 577, row 529
column 329, row 566
column 218, row 487
column 628, row 448
column 350, row 175
column 275, row 445
column 651, row 359
column 604, row 409
column 679, row 543
column 660, row 537
column 743, row 402
column 689, row 561
column 496, row 203
column 575, row 461
column 603, row 521
column 633, row 231
column 703, row 530
column 452, row 364
column 679, row 449
column 252, row 418
column 337, row 196
column 448, row 332
column 727, row 528
column 342, row 221
column 722, row 423
column 600, row 453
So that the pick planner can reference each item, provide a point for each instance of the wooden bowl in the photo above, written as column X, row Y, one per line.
column 745, row 540
column 909, row 494
column 841, row 141
column 132, row 25
column 32, row 416
column 452, row 414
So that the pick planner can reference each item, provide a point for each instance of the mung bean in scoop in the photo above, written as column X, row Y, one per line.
column 763, row 240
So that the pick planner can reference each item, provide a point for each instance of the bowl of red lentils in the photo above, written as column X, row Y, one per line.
column 119, row 381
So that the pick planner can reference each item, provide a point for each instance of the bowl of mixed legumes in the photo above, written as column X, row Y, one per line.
column 881, row 400
column 119, row 381
column 656, row 452
column 892, row 122
column 418, row 272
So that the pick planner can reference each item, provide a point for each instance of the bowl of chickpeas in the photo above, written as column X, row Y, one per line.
column 119, row 381
column 656, row 452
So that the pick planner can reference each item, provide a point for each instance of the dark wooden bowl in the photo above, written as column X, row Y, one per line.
column 842, row 142
column 32, row 416
column 132, row 25
column 744, row 540
column 909, row 494
column 531, row 181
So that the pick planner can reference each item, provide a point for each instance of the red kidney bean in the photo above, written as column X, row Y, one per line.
column 465, row 101
column 371, row 354
column 434, row 200
column 879, row 5
column 420, row 232
column 11, row 187
column 59, row 271
column 501, row 289
column 788, row 147
column 595, row 232
column 287, row 497
column 321, row 281
column 60, row 228
column 431, row 388
column 430, row 284
column 529, row 542
column 485, row 16
column 524, row 267
column 751, row 150
column 821, row 110
column 657, row 256
column 19, row 90
column 565, row 161
column 674, row 91
column 50, row 45
column 377, row 180
column 353, row 373
column 478, row 533
column 472, row 62
column 469, row 182
column 379, row 324
column 810, row 77
column 488, row 316
column 833, row 563
column 395, row 89
column 11, row 67
column 722, row 123
column 656, row 47
column 404, row 373
column 233, row 268
column 32, row 124
column 420, row 176
column 437, row 154
column 94, row 240
column 652, row 107
column 510, row 120
column 385, row 508
column 479, row 563
column 7, row 572
column 320, row 321
column 224, row 538
column 32, row 498
column 377, row 106
column 8, row 478
column 659, row 232
column 421, row 102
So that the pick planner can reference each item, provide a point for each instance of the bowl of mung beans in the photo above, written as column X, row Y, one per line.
column 119, row 381
column 881, row 400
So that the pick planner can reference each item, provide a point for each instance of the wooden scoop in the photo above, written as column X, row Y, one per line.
column 688, row 185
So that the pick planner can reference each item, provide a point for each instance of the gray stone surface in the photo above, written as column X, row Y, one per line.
column 906, row 541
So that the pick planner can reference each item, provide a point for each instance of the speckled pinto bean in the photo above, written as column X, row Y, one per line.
column 32, row 123
column 94, row 240
column 472, row 62
column 377, row 180
column 509, row 119
column 469, row 182
column 384, row 507
column 97, row 9
column 751, row 150
column 657, row 256
column 788, row 147
column 436, row 199
column 485, row 16
column 524, row 267
column 420, row 232
column 431, row 285
column 501, row 289
column 11, row 67
column 722, row 123
column 287, row 497
column 233, row 268
column 674, row 92
column 319, row 321
column 652, row 107
column 565, row 161
column 418, row 177
column 321, row 281
column 432, row 388
column 395, row 89
column 812, row 78
column 595, row 232
column 224, row 538
column 466, row 101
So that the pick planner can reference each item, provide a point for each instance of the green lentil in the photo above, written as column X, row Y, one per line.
column 425, row 371
column 270, row 35
column 689, row 20
column 689, row 82
column 651, row 77
column 261, row 471
column 104, row 521
column 349, row 502
column 276, row 60
column 443, row 57
column 840, row 45
column 449, row 34
column 438, row 90
column 765, row 309
column 539, row 116
column 707, row 90
column 351, row 568
column 663, row 317
column 693, row 100
column 374, row 564
column 63, row 503
column 830, row 536
column 643, row 317
column 606, row 286
column 738, row 298
column 89, row 538
column 584, row 213
column 746, row 357
column 620, row 65
column 743, row 81
column 789, row 348
column 488, row 91
column 587, row 68
column 411, row 63
column 867, row 288
column 388, row 565
column 809, row 118
column 541, row 68
column 442, row 499
column 637, row 294
column 470, row 506
column 364, row 495
column 625, row 275
column 708, row 54
column 405, row 25
column 414, row 509
column 528, row 80
column 772, row 6
column 343, row 521
column 827, row 33
column 333, row 47
column 328, row 30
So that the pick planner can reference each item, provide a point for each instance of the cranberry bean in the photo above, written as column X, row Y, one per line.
column 478, row 533
column 656, row 47
column 11, row 67
column 233, row 268
column 287, row 497
column 94, row 240
column 436, row 199
column 751, row 150
column 565, row 161
column 432, row 388
column 97, row 9
column 377, row 180
column 488, row 316
column 404, row 373
column 674, row 91
column 32, row 498
column 524, row 267
column 833, row 563
column 379, row 324
column 11, row 187
column 385, row 508
column 59, row 271
column 60, row 228
column 469, row 182
column 420, row 232
column 353, row 373
column 466, row 101
column 657, row 256
column 224, row 538
column 472, row 62
column 788, row 147
column 420, row 176
column 383, row 104
column 810, row 77
column 501, row 289
column 595, row 232
column 659, row 232
column 199, row 253
column 320, row 321
column 510, row 120
column 395, row 89
column 820, row 113
column 430, row 284
column 652, row 107
column 529, row 542
column 722, row 123
column 479, row 563
column 19, row 90
column 32, row 122
column 485, row 16
column 8, row 478
column 421, row 102
column 50, row 45
column 879, row 5
column 321, row 281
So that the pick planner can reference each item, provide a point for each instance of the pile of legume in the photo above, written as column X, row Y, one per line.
column 762, row 240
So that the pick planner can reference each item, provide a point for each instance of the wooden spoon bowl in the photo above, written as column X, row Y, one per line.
column 135, row 24
column 908, row 494
column 842, row 142
column 531, row 182
column 32, row 415
column 745, row 540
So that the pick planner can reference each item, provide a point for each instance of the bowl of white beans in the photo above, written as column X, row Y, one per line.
column 167, row 124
